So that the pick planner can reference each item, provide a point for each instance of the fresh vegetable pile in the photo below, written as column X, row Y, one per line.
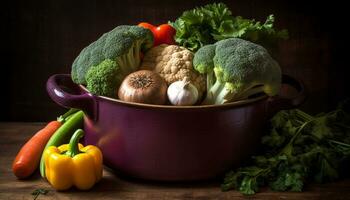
column 202, row 48
column 207, row 56
column 299, row 148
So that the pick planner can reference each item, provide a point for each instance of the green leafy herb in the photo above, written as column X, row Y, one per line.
column 299, row 148
column 38, row 192
column 213, row 22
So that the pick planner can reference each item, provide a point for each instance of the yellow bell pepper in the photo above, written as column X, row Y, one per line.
column 72, row 164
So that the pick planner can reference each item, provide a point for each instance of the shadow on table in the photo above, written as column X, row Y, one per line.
column 171, row 184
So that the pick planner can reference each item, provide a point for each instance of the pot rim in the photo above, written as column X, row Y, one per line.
column 172, row 107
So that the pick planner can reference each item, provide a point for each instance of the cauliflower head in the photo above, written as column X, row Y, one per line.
column 174, row 63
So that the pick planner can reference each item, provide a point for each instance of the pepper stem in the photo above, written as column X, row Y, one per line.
column 73, row 148
column 64, row 117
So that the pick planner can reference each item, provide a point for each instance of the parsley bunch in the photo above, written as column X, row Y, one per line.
column 299, row 148
column 213, row 22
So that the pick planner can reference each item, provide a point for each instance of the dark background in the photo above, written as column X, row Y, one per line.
column 42, row 38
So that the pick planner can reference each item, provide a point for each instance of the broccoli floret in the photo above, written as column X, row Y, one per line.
column 104, row 78
column 204, row 64
column 241, row 69
column 123, row 45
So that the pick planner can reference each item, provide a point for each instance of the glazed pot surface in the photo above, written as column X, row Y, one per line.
column 171, row 143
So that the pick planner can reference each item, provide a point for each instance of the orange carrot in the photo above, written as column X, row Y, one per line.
column 28, row 158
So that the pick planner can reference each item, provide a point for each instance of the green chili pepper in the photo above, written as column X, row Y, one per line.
column 63, row 134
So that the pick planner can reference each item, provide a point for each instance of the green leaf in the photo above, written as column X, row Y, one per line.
column 289, row 128
column 38, row 192
column 269, row 22
column 230, row 181
column 248, row 186
column 310, row 156
column 325, row 171
column 321, row 128
column 279, row 184
column 287, row 180
column 274, row 139
column 294, row 182
column 279, row 119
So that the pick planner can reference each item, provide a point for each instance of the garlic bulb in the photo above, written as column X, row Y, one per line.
column 182, row 93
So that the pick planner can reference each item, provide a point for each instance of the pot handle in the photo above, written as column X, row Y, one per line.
column 278, row 102
column 66, row 93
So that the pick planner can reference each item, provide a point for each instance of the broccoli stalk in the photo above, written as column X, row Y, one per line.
column 203, row 63
column 237, row 69
column 216, row 94
column 130, row 61
column 211, row 79
column 221, row 93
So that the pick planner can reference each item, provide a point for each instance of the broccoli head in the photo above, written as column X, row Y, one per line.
column 241, row 69
column 122, row 45
column 104, row 78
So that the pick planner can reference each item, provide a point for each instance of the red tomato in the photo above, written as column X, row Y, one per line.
column 163, row 34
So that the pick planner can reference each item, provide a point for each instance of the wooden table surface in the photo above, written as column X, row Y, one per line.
column 13, row 135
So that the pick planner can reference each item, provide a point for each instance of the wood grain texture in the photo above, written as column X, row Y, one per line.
column 13, row 135
column 43, row 37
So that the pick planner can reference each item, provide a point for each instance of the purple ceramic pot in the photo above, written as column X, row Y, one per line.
column 171, row 143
